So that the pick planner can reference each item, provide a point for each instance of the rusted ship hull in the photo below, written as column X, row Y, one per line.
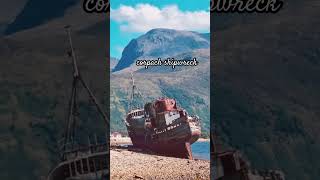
column 175, row 148
column 172, row 140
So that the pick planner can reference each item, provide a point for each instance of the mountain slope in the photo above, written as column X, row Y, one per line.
column 161, row 43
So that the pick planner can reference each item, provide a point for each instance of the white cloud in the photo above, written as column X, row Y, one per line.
column 144, row 17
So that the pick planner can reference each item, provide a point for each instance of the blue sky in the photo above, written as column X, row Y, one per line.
column 132, row 18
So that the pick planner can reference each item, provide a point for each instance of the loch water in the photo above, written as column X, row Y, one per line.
column 201, row 150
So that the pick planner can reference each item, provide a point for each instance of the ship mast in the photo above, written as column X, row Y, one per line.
column 134, row 92
column 69, row 134
column 133, row 87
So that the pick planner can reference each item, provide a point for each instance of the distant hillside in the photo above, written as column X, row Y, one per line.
column 161, row 43
column 113, row 62
column 266, row 87
column 191, row 90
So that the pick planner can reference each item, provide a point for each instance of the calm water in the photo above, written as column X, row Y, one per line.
column 201, row 150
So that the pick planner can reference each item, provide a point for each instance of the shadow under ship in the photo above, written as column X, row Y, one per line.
column 81, row 161
column 162, row 127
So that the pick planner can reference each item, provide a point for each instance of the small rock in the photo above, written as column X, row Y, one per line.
column 138, row 177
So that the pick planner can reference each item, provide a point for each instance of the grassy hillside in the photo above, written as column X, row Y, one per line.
column 190, row 87
column 266, row 88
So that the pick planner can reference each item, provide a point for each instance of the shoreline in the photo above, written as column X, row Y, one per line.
column 127, row 140
column 203, row 140
column 120, row 141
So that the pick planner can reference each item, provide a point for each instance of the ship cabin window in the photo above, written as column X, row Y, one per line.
column 85, row 166
column 78, row 165
column 66, row 170
column 73, row 169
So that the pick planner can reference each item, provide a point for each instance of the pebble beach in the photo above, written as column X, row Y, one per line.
column 130, row 165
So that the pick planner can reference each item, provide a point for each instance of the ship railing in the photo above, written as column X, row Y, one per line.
column 196, row 120
column 90, row 166
column 137, row 112
column 74, row 149
column 127, row 124
column 85, row 150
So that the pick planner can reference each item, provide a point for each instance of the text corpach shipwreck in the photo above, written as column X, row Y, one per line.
column 168, row 62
